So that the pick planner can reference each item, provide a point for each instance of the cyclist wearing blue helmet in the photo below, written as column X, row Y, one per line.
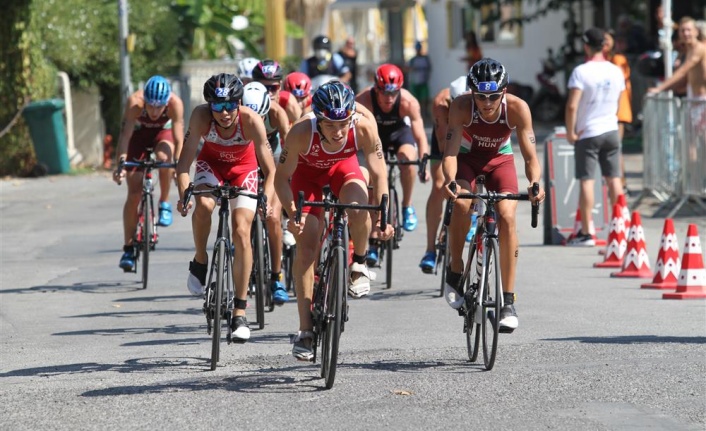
column 321, row 150
column 153, row 118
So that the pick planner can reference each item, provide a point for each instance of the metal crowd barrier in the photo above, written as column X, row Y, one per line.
column 674, row 150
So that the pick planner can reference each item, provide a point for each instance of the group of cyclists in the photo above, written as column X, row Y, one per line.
column 302, row 139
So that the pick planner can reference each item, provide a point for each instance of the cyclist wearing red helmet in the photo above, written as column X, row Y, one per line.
column 390, row 104
column 487, row 116
column 298, row 84
column 154, row 118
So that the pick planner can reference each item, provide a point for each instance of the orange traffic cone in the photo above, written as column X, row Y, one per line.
column 692, row 277
column 625, row 212
column 636, row 263
column 666, row 270
column 617, row 243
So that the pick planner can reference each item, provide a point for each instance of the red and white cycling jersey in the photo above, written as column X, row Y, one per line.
column 234, row 149
column 318, row 158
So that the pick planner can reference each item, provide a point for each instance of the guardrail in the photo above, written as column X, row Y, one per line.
column 674, row 150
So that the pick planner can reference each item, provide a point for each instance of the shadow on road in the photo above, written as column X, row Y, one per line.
column 634, row 339
column 188, row 311
column 403, row 294
column 171, row 329
column 85, row 287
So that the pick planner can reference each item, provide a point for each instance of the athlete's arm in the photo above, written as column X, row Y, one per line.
column 365, row 112
column 176, row 114
column 292, row 109
column 364, row 98
column 132, row 112
column 520, row 117
column 296, row 143
column 414, row 112
column 198, row 126
column 440, row 112
column 279, row 119
column 369, row 143
column 254, row 127
column 454, row 131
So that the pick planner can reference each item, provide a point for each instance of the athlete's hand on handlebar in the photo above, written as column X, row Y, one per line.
column 451, row 190
column 383, row 235
column 537, row 198
column 119, row 173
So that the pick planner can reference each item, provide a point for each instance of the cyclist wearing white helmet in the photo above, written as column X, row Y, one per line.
column 153, row 118
column 435, row 202
column 257, row 98
column 245, row 67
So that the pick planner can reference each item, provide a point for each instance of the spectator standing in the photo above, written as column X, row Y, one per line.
column 624, row 105
column 419, row 68
column 324, row 62
column 350, row 59
column 595, row 89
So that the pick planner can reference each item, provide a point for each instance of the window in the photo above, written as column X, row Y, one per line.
column 487, row 23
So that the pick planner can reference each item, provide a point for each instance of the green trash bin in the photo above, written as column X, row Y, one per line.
column 46, row 126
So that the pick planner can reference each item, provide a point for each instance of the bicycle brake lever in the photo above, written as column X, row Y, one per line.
column 535, row 207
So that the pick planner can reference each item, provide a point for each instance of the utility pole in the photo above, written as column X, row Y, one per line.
column 125, row 80
column 275, row 23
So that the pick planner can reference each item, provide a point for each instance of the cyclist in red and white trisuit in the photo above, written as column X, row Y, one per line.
column 235, row 143
column 321, row 149
column 488, row 116
column 153, row 118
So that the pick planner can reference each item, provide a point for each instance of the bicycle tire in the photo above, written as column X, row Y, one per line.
column 472, row 327
column 259, row 269
column 288, row 254
column 393, row 242
column 147, row 215
column 267, row 264
column 491, row 302
column 333, row 316
column 218, row 299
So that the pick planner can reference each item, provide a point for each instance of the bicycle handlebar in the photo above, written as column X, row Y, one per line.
column 449, row 205
column 147, row 163
column 327, row 204
column 422, row 163
column 535, row 207
column 225, row 190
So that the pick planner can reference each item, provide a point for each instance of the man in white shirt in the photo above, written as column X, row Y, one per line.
column 592, row 127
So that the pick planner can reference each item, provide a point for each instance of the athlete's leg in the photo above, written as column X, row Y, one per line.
column 201, row 226
column 134, row 194
column 304, row 261
column 274, row 231
column 359, row 224
column 460, row 223
column 242, row 264
column 509, row 244
column 435, row 204
column 164, row 151
column 408, row 173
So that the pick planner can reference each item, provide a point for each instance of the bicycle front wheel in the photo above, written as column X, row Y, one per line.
column 147, row 218
column 259, row 269
column 491, row 303
column 442, row 250
column 218, row 300
column 472, row 325
column 333, row 316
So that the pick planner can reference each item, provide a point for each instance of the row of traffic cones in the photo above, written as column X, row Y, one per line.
column 630, row 254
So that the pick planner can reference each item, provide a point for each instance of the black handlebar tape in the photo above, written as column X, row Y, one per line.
column 383, row 211
column 535, row 207
column 449, row 206
column 300, row 204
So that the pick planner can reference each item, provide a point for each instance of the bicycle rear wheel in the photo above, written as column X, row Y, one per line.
column 267, row 265
column 147, row 218
column 392, row 243
column 333, row 316
column 259, row 270
column 491, row 303
column 472, row 326
column 218, row 300
column 442, row 259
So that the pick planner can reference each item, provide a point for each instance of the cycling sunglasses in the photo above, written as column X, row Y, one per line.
column 492, row 96
column 220, row 106
column 272, row 88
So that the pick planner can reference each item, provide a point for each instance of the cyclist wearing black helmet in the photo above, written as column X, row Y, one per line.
column 235, row 142
column 325, row 62
column 486, row 117
column 270, row 74
column 153, row 118
column 321, row 150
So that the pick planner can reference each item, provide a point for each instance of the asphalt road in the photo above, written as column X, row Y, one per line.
column 82, row 346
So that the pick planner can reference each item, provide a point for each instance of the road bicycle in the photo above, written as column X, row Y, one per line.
column 259, row 285
column 289, row 253
column 481, row 279
column 329, row 307
column 219, row 297
column 396, row 218
column 146, row 236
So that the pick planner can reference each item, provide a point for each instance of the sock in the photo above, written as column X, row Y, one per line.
column 358, row 259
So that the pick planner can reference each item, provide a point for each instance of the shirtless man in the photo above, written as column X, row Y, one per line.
column 694, row 65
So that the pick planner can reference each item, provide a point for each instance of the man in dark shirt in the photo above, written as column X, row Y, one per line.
column 350, row 58
column 324, row 62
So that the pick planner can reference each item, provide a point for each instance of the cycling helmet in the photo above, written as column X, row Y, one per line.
column 245, row 67
column 224, row 87
column 157, row 91
column 389, row 77
column 267, row 70
column 256, row 97
column 487, row 76
column 333, row 101
column 298, row 83
column 458, row 87
column 321, row 42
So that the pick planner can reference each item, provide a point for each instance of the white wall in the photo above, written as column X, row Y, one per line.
column 522, row 62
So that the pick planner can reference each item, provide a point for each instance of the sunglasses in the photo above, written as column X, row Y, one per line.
column 220, row 106
column 272, row 88
column 492, row 97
